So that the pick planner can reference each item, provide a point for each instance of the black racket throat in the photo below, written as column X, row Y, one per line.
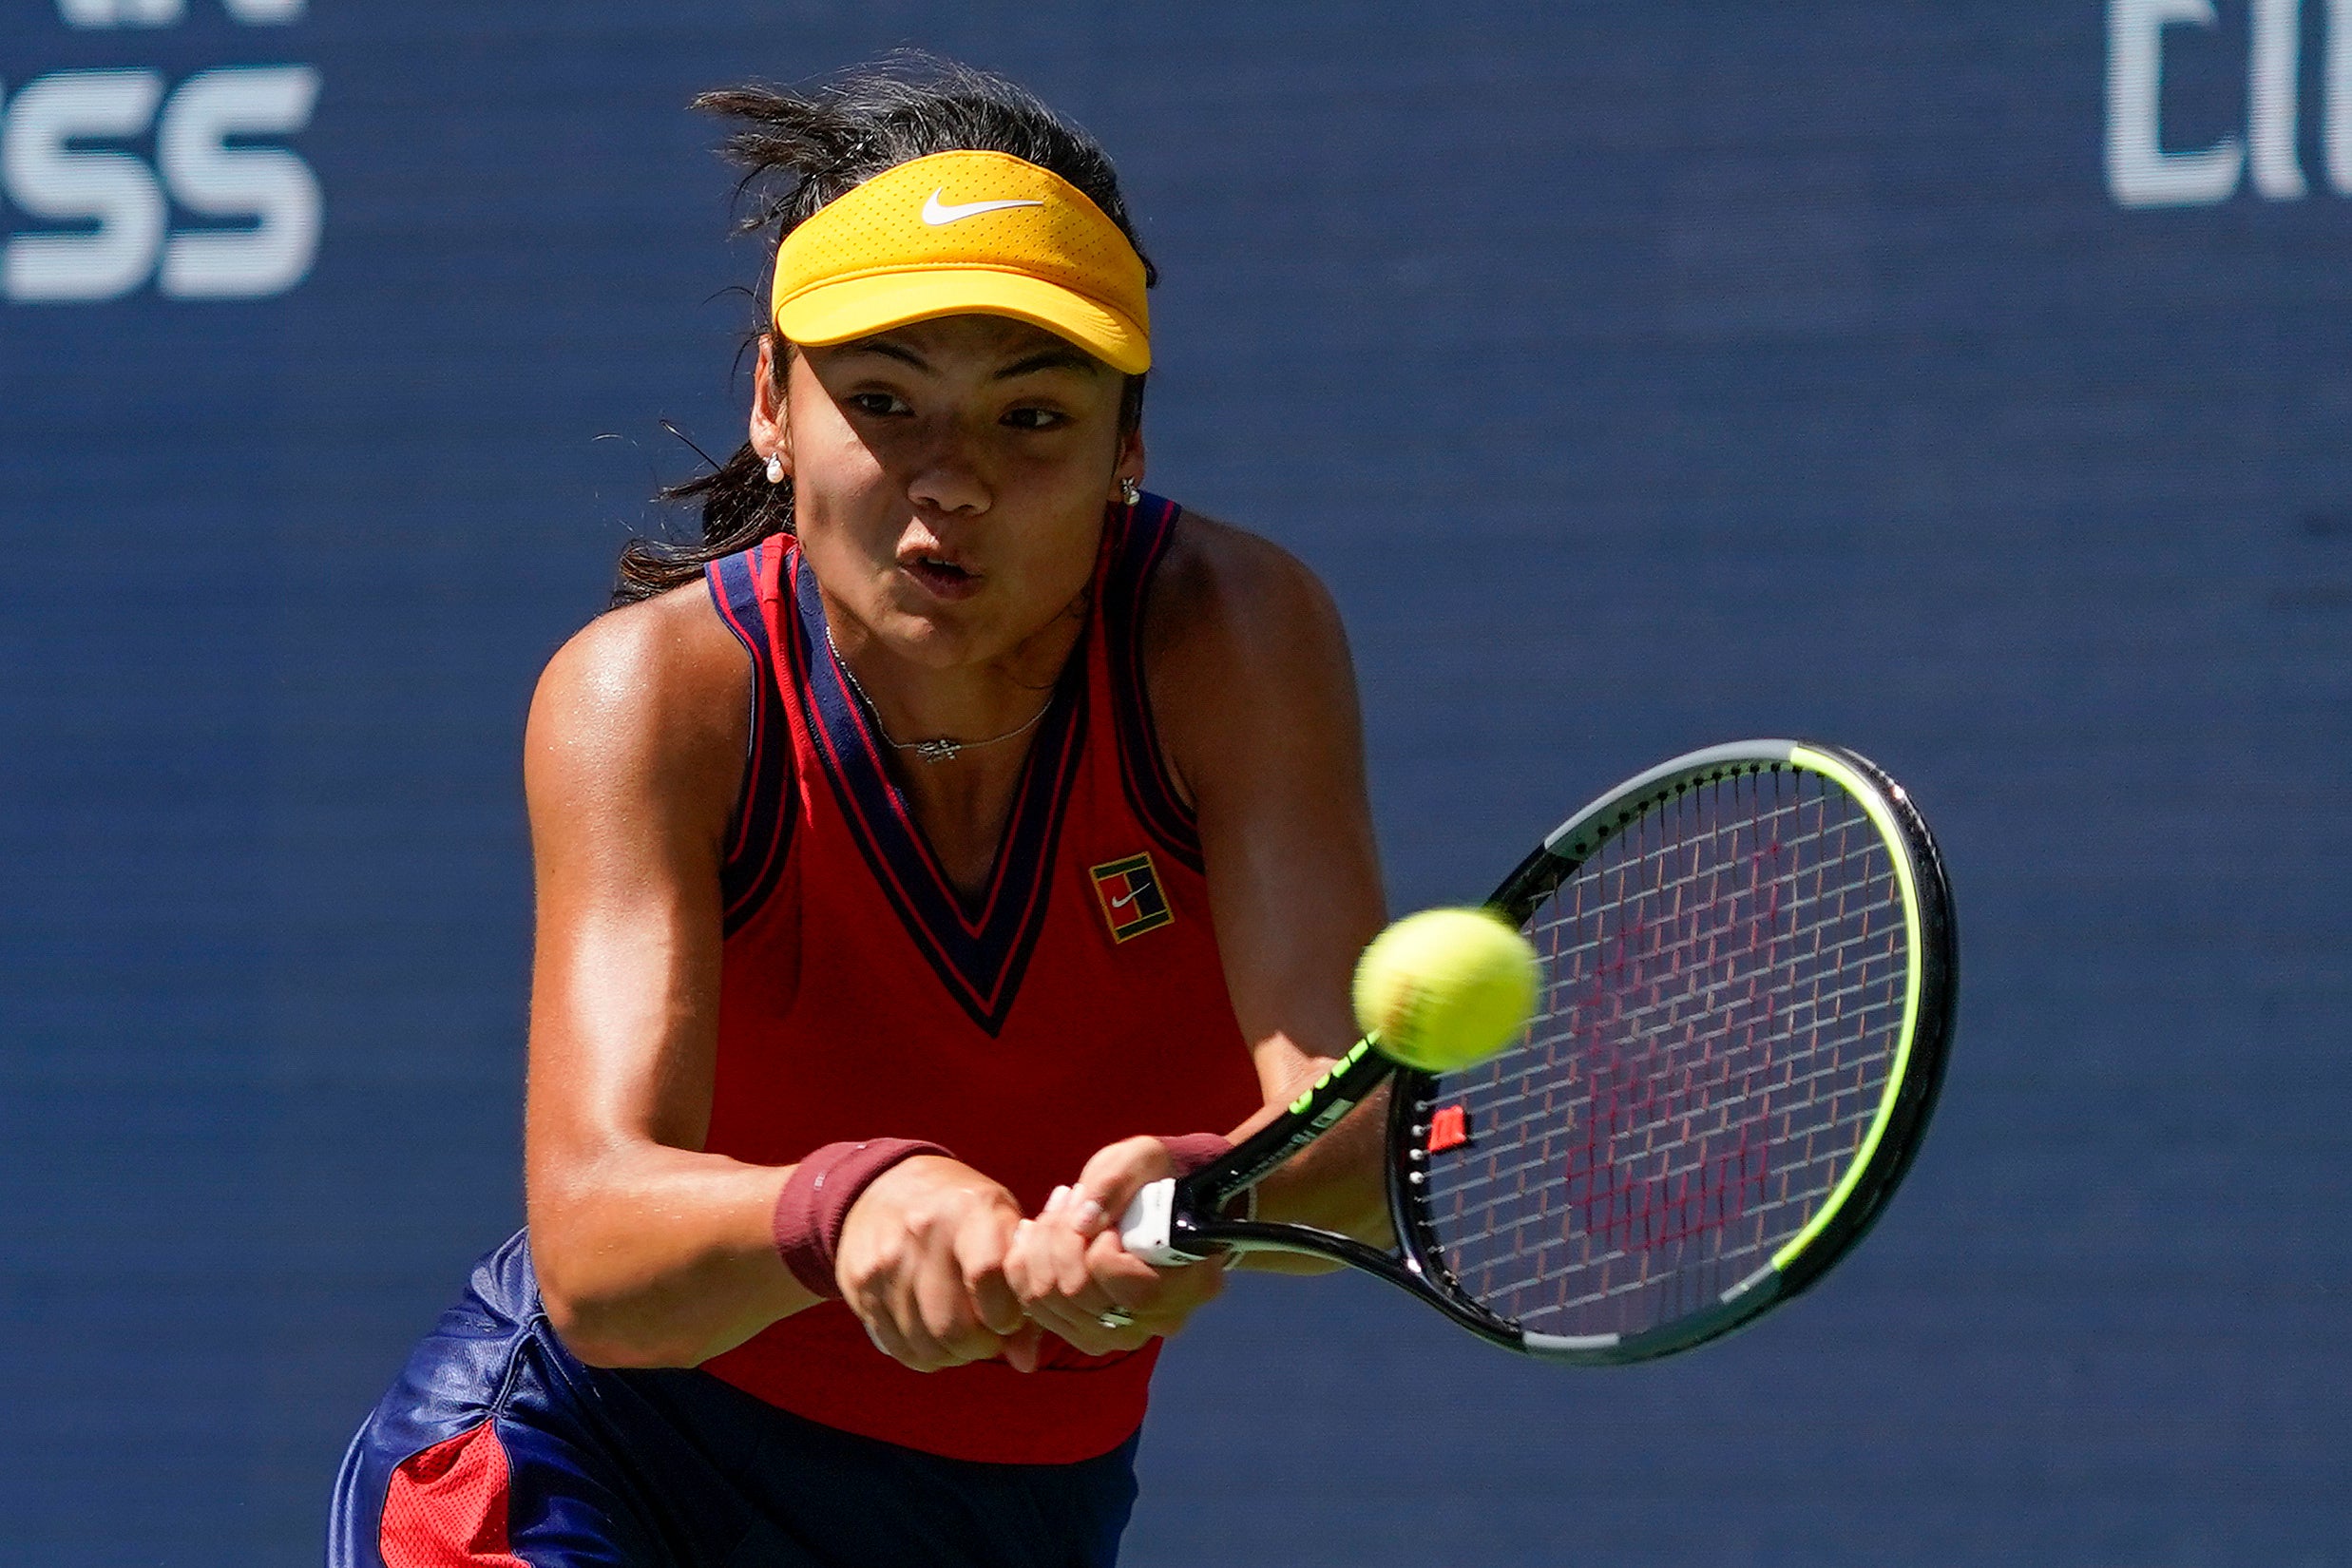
column 1328, row 1102
column 1201, row 1223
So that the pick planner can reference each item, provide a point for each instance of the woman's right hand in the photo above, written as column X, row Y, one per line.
column 921, row 1261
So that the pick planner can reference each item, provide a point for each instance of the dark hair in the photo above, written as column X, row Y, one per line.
column 798, row 152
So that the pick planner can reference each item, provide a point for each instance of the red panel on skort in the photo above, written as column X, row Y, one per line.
column 447, row 1507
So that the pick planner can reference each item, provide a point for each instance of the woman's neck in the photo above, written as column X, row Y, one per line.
column 933, row 715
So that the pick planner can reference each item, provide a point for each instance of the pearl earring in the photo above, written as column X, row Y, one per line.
column 1128, row 493
column 775, row 468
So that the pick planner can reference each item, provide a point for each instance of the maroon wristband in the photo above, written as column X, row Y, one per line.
column 1194, row 1150
column 815, row 1201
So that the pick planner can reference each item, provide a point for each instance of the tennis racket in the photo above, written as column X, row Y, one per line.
column 1746, row 1004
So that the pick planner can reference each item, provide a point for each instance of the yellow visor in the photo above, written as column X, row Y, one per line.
column 964, row 233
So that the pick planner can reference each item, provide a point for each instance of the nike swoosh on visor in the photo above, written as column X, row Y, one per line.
column 935, row 211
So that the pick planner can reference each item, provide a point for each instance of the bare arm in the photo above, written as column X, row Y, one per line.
column 649, row 1250
column 1256, row 697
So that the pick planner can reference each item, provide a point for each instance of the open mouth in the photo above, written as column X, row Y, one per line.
column 940, row 574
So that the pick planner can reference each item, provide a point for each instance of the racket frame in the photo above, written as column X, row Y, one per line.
column 1183, row 1220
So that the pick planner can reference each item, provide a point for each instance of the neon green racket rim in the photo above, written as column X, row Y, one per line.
column 1882, row 817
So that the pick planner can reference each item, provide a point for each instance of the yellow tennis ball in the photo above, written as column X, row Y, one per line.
column 1446, row 988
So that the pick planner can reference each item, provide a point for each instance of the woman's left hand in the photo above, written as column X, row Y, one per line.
column 1068, row 1268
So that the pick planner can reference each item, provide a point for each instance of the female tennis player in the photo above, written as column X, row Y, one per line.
column 954, row 840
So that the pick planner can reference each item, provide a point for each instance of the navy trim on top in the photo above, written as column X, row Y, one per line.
column 979, row 952
column 1143, row 767
column 761, row 831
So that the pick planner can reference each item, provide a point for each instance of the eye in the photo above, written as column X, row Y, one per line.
column 877, row 405
column 1034, row 418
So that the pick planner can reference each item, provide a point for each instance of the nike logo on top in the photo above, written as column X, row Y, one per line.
column 936, row 212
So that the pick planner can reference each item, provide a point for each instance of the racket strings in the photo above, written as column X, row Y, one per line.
column 1724, row 989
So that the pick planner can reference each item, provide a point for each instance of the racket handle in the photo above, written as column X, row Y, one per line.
column 1146, row 1229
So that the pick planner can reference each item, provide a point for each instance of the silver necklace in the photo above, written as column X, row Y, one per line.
column 938, row 748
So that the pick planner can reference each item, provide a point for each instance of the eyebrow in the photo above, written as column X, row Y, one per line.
column 887, row 351
column 1044, row 359
column 1051, row 359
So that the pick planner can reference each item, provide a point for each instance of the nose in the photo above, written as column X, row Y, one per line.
column 948, row 478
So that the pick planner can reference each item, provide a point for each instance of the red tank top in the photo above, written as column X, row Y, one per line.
column 1078, row 1000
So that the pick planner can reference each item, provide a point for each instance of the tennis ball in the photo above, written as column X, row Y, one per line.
column 1446, row 988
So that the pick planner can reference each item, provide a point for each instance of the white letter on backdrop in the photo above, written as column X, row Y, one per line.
column 266, row 13
column 121, row 13
column 269, row 184
column 2338, row 92
column 50, row 180
column 2270, row 98
column 2139, row 172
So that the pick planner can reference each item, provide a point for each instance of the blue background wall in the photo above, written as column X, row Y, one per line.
column 1639, row 376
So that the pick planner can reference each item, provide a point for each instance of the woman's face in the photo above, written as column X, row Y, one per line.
column 949, row 478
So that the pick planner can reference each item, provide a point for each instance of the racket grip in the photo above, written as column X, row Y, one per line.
column 1146, row 1229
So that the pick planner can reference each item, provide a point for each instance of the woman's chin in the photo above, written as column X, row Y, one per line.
column 930, row 635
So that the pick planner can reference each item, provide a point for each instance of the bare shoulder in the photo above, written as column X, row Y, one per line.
column 673, row 643
column 1244, row 652
column 654, row 693
column 1218, row 581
